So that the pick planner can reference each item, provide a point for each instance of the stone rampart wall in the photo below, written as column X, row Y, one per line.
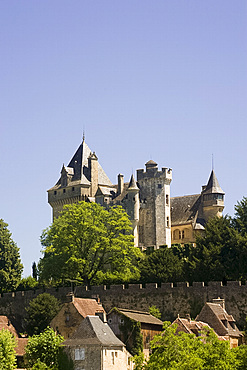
column 171, row 299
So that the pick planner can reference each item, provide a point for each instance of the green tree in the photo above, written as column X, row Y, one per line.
column 40, row 311
column 187, row 352
column 44, row 351
column 7, row 350
column 161, row 266
column 88, row 242
column 34, row 271
column 240, row 217
column 27, row 283
column 153, row 310
column 10, row 262
column 208, row 261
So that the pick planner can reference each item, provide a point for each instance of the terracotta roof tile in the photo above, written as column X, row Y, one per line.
column 86, row 306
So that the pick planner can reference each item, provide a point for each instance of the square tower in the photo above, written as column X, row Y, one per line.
column 155, row 214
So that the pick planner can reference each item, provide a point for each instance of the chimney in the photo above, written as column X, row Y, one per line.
column 219, row 301
column 93, row 167
column 120, row 186
column 102, row 316
column 187, row 316
column 70, row 297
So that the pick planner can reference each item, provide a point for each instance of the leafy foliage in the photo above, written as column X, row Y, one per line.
column 10, row 263
column 27, row 283
column 188, row 352
column 90, row 243
column 153, row 310
column 7, row 350
column 240, row 219
column 40, row 312
column 161, row 265
column 44, row 351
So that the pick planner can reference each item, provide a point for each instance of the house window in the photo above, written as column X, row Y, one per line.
column 181, row 234
column 64, row 190
column 79, row 354
column 73, row 188
column 159, row 186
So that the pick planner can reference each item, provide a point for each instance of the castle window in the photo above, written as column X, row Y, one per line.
column 167, row 199
column 55, row 193
column 73, row 188
column 159, row 186
column 64, row 190
column 167, row 222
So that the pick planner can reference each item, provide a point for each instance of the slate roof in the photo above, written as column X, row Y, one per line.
column 213, row 185
column 103, row 190
column 217, row 317
column 184, row 210
column 87, row 306
column 81, row 172
column 140, row 316
column 121, row 196
column 132, row 184
column 93, row 331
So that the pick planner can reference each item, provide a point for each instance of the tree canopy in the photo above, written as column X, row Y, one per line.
column 40, row 311
column 162, row 265
column 10, row 262
column 187, row 352
column 89, row 243
column 7, row 350
column 45, row 351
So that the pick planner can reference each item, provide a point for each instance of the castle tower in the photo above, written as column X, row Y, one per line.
column 213, row 198
column 155, row 219
column 78, row 181
column 132, row 205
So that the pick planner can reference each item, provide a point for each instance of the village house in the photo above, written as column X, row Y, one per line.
column 189, row 326
column 94, row 346
column 73, row 312
column 121, row 322
column 224, row 325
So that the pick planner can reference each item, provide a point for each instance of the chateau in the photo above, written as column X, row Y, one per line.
column 157, row 219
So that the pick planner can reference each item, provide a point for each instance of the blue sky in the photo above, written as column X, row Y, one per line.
column 165, row 80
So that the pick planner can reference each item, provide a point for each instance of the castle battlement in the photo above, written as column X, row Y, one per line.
column 171, row 298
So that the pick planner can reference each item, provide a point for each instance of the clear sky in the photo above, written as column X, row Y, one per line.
column 147, row 79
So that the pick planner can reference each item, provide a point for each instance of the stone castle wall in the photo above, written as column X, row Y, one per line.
column 170, row 299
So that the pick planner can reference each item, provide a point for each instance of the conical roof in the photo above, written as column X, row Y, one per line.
column 213, row 185
column 132, row 184
column 79, row 164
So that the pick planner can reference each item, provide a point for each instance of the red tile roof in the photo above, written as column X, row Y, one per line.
column 86, row 306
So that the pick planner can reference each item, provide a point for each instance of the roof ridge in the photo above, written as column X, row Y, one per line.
column 188, row 195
